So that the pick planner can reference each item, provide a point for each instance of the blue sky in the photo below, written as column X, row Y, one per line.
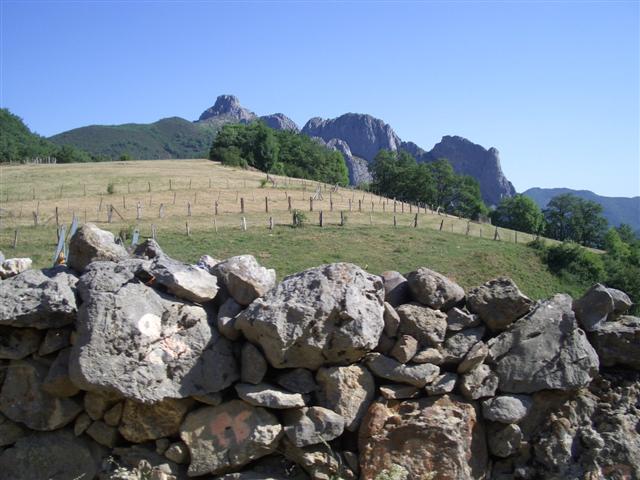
column 554, row 85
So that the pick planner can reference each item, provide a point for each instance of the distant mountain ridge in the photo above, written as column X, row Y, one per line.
column 616, row 210
column 359, row 137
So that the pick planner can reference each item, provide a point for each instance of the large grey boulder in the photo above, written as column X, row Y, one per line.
column 618, row 342
column 425, row 324
column 184, row 281
column 348, row 391
column 332, row 314
column 499, row 303
column 56, row 455
column 253, row 364
column 228, row 436
column 434, row 289
column 90, row 244
column 311, row 425
column 145, row 347
column 396, row 288
column 506, row 408
column 544, row 350
column 23, row 400
column 245, row 278
column 593, row 308
column 39, row 299
column 417, row 375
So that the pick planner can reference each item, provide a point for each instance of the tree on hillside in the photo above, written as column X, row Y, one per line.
column 398, row 175
column 279, row 152
column 519, row 213
column 569, row 217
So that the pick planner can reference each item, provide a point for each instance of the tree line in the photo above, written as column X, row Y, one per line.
column 18, row 143
column 398, row 175
column 280, row 152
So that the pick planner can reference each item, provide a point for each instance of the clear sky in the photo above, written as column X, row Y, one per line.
column 554, row 85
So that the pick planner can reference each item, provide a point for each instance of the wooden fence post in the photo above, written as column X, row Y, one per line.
column 321, row 220
column 188, row 209
column 138, row 211
column 468, row 228
column 395, row 222
column 266, row 204
column 161, row 211
column 215, row 208
column 349, row 204
column 311, row 204
column 244, row 224
column 174, row 197
column 242, row 205
column 359, row 205
column 341, row 218
column 15, row 239
column 270, row 223
column 415, row 221
column 58, row 219
column 188, row 229
column 289, row 202
column 441, row 225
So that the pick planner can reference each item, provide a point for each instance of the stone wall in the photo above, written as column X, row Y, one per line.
column 126, row 366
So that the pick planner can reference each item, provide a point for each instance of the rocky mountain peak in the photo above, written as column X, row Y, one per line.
column 279, row 121
column 469, row 158
column 365, row 135
column 228, row 107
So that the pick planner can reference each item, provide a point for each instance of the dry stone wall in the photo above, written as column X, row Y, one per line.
column 131, row 366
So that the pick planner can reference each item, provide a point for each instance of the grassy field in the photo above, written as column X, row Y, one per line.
column 462, row 250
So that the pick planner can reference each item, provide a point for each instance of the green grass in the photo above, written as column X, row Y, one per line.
column 469, row 261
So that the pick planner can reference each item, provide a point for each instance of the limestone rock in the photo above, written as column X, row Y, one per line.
column 436, row 437
column 10, row 431
column 391, row 320
column 429, row 355
column 55, row 339
column 388, row 368
column 253, row 364
column 506, row 408
column 425, row 324
column 13, row 266
column 297, row 380
column 96, row 404
column 143, row 346
column 621, row 301
column 458, row 319
column 39, row 299
column 399, row 392
column 90, row 244
column 311, row 425
column 458, row 345
column 404, row 349
column 143, row 422
column 244, row 278
column 177, row 452
column 23, row 400
column 444, row 383
column 499, row 303
column 52, row 455
column 319, row 461
column 504, row 440
column 17, row 343
column 434, row 290
column 228, row 436
column 618, row 342
column 348, row 391
column 478, row 383
column 103, row 433
column 474, row 357
column 593, row 308
column 226, row 320
column 396, row 288
column 57, row 381
column 113, row 416
column 264, row 395
column 544, row 350
column 331, row 314
column 184, row 281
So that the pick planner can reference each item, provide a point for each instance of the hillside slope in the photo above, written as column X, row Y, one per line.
column 616, row 210
column 172, row 137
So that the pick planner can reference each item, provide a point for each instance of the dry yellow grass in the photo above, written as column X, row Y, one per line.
column 187, row 191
